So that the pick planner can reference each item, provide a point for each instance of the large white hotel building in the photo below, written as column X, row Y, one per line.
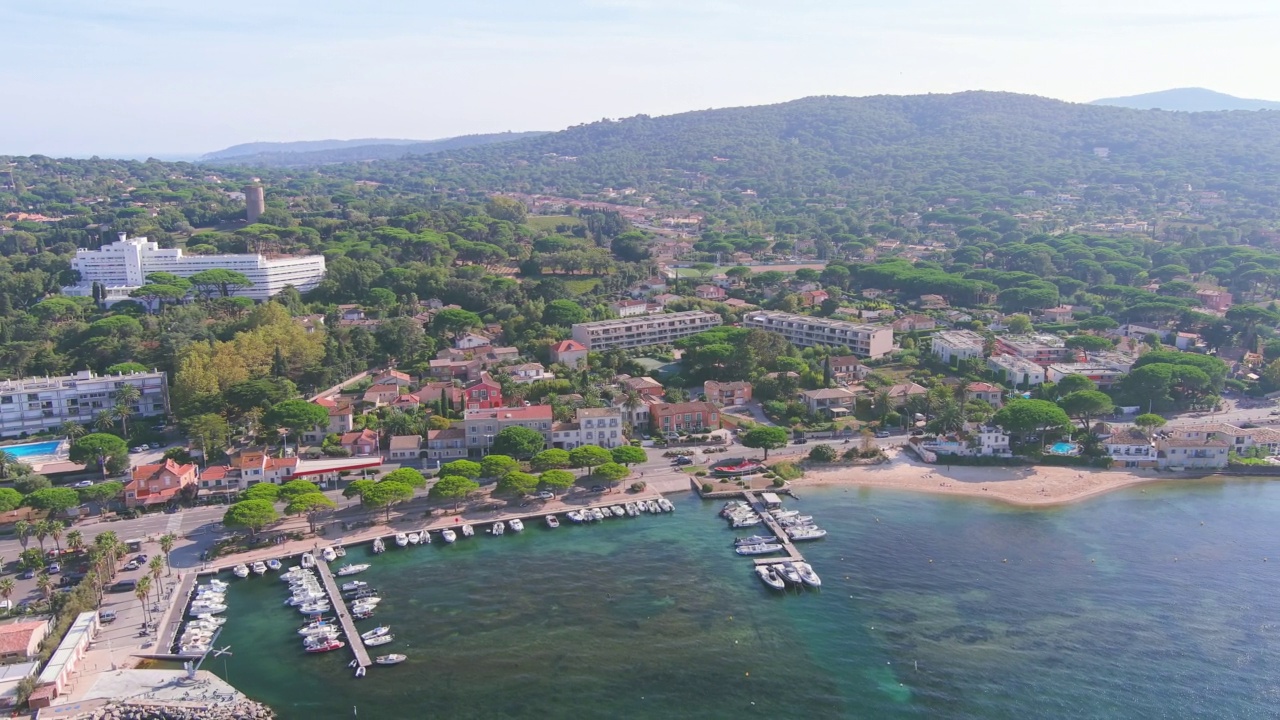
column 30, row 405
column 633, row 332
column 123, row 266
column 869, row 341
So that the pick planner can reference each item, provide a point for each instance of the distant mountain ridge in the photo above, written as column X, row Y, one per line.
column 346, row 151
column 1188, row 100
column 299, row 146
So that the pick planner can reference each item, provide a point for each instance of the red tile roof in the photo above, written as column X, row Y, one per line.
column 15, row 638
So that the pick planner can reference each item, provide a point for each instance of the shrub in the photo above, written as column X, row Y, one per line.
column 701, row 473
column 707, row 487
column 787, row 470
column 822, row 454
column 779, row 482
column 638, row 486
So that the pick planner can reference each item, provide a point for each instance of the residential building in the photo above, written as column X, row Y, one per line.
column 10, row 676
column 710, row 292
column 159, row 484
column 847, row 367
column 665, row 299
column 932, row 302
column 629, row 308
column 869, row 341
column 393, row 377
column 1130, row 448
column 450, row 368
column 21, row 640
column 471, row 341
column 483, row 425
column 813, row 298
column 30, row 405
column 1216, row 300
column 952, row 346
column 688, row 416
column 590, row 426
column 832, row 401
column 1040, row 349
column 446, row 445
column 1016, row 371
column 257, row 466
column 636, row 417
column 379, row 395
column 569, row 352
column 902, row 392
column 219, row 480
column 66, row 660
column 404, row 447
column 660, row 329
column 341, row 420
column 1102, row 374
column 123, row 266
column 1185, row 341
column 483, row 393
column 361, row 443
column 727, row 393
column 1060, row 314
column 914, row 323
column 986, row 392
column 528, row 372
column 1179, row 452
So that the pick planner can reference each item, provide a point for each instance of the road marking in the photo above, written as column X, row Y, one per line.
column 174, row 525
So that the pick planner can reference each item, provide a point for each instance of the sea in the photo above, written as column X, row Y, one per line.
column 1158, row 602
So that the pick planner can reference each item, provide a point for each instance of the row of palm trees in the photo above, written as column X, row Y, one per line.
column 52, row 529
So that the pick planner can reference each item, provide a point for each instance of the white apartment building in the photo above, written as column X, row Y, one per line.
column 31, row 405
column 591, row 426
column 870, row 341
column 954, row 345
column 1017, row 371
column 123, row 266
column 643, row 331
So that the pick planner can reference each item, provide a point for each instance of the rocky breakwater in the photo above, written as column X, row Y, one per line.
column 241, row 710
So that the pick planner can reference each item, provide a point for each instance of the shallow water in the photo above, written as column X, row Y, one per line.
column 1122, row 607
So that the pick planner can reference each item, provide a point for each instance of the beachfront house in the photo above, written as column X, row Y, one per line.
column 1130, row 448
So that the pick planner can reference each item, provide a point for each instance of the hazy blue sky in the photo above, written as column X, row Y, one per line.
column 128, row 77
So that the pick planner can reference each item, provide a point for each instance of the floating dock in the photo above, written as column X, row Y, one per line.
column 793, row 554
column 176, row 614
column 354, row 640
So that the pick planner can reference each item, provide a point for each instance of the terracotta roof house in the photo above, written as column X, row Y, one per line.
column 689, row 416
column 158, row 484
column 21, row 640
column 810, row 298
column 361, row 444
column 986, row 392
column 379, row 395
column 914, row 323
column 445, row 445
column 393, row 377
column 404, row 447
column 710, row 292
column 898, row 394
column 569, row 352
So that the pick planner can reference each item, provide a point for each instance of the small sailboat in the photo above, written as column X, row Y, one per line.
column 379, row 546
column 807, row 575
column 259, row 568
column 770, row 578
column 402, row 539
column 498, row 528
column 240, row 571
column 448, row 535
column 352, row 569
column 380, row 630
column 273, row 565
column 553, row 521
column 467, row 531
column 517, row 525
column 380, row 640
column 392, row 659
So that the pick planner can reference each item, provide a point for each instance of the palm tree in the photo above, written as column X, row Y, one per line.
column 55, row 532
column 6, row 588
column 72, row 430
column 632, row 402
column 95, row 582
column 75, row 541
column 123, row 413
column 156, row 566
column 22, row 529
column 42, row 532
column 6, row 459
column 142, row 592
column 104, row 421
column 44, row 584
column 166, row 547
column 126, row 397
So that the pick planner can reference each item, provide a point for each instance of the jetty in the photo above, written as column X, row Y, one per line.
column 354, row 640
column 175, row 614
column 793, row 553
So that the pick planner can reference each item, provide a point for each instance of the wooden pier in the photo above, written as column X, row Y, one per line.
column 793, row 554
column 344, row 616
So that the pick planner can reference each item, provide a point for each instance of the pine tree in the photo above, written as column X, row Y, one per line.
column 279, row 368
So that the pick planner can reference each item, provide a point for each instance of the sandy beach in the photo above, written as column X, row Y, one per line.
column 1028, row 486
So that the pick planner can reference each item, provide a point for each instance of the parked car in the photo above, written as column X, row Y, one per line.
column 124, row 586
column 683, row 460
column 132, row 565
column 53, row 569
column 598, row 488
column 546, row 495
column 882, row 434
column 138, row 449
column 27, row 574
column 801, row 441
column 106, row 617
column 141, row 559
column 83, row 484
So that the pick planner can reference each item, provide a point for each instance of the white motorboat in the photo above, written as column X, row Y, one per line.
column 597, row 514
column 618, row 511
column 216, row 583
column 379, row 546
column 414, row 539
column 575, row 516
column 402, row 539
column 354, row 585
column 308, row 561
column 467, row 531
column 259, row 568
column 781, row 513
column 770, row 578
column 807, row 575
column 746, row 522
column 806, row 532
column 326, row 631
column 733, row 506
column 665, row 505
column 329, row 554
column 313, row 608
column 631, row 509
column 498, row 528
column 193, row 649
column 553, row 521
column 796, row 521
column 338, row 549
column 206, row 609
column 448, row 535
column 352, row 569
column 317, row 626
column 641, row 506
column 517, row 525
column 365, row 605
column 755, row 540
column 788, row 572
column 240, row 571
column 380, row 640
column 653, row 506
column 761, row 549
column 392, row 659
column 380, row 630
column 425, row 537
column 211, row 620
column 273, row 565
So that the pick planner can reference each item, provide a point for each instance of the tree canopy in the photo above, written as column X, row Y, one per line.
column 252, row 515
column 763, row 437
column 518, row 442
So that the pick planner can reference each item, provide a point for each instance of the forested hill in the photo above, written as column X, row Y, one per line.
column 360, row 153
column 299, row 146
column 972, row 141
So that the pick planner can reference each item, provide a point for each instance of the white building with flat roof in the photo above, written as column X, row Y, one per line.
column 29, row 405
column 123, row 266
column 630, row 332
column 952, row 345
column 1016, row 371
column 870, row 341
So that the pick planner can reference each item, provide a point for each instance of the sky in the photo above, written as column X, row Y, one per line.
column 132, row 78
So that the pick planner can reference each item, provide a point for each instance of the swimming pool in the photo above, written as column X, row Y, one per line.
column 1064, row 448
column 31, row 450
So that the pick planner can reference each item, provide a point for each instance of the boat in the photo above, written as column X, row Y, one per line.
column 193, row 649
column 273, row 565
column 329, row 554
column 380, row 640
column 360, row 594
column 746, row 522
column 352, row 569
column 327, row 631
column 597, row 514
column 575, row 516
column 552, row 521
column 354, row 585
column 312, row 608
column 653, row 506
column 733, row 506
column 770, row 578
column 796, row 521
column 448, row 535
column 425, row 537
column 259, row 568
column 781, row 513
column 379, row 546
column 414, row 539
column 618, row 511
column 517, row 525
column 206, row 609
column 363, row 609
column 755, row 540
column 806, row 532
column 338, row 549
column 392, row 659
column 641, row 507
column 211, row 619
column 631, row 509
column 369, row 601
column 467, row 531
column 498, row 528
column 240, row 571
column 788, row 572
column 761, row 549
column 362, row 614
column 316, row 625
column 308, row 561
column 326, row 646
column 807, row 575
column 402, row 539
column 380, row 630
column 665, row 505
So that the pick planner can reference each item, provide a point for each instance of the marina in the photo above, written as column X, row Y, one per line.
column 344, row 618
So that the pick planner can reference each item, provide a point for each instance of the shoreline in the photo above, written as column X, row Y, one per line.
column 1027, row 486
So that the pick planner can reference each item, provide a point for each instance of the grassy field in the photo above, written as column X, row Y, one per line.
column 551, row 222
column 585, row 285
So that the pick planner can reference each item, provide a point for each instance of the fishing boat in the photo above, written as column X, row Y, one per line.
column 392, row 659
column 467, row 531
column 329, row 554
column 379, row 546
column 770, row 578
column 352, row 569
column 807, row 575
column 653, row 506
column 755, row 540
column 308, row 561
column 552, row 521
column 326, row 646
column 240, row 571
column 517, row 525
column 380, row 640
column 259, row 568
column 806, row 532
column 575, row 516
column 448, row 535
column 402, row 539
column 414, row 538
column 665, row 505
column 354, row 585
column 498, row 528
column 273, row 565
column 788, row 572
column 761, row 549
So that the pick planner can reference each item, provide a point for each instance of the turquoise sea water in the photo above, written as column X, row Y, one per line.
column 1155, row 604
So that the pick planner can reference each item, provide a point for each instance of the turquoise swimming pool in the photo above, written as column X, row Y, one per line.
column 1064, row 448
column 33, row 450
